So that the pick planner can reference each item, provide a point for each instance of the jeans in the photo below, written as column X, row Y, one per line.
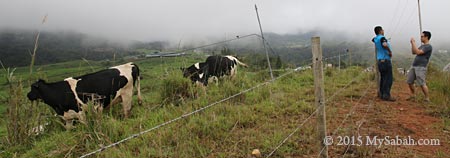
column 386, row 78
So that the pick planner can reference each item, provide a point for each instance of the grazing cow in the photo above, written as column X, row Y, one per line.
column 69, row 96
column 214, row 66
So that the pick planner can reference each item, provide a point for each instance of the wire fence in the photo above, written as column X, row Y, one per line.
column 359, row 126
column 188, row 114
column 215, row 103
column 191, row 113
column 347, row 116
column 328, row 99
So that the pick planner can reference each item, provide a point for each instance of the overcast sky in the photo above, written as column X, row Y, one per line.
column 177, row 19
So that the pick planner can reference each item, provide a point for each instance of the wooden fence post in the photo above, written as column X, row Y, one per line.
column 320, row 94
column 377, row 73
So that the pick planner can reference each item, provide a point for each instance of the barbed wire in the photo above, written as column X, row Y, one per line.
column 188, row 114
column 346, row 117
column 292, row 133
column 395, row 14
column 191, row 113
column 401, row 16
column 364, row 117
column 212, row 44
column 398, row 29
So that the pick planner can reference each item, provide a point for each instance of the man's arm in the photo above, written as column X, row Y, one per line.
column 414, row 48
column 385, row 46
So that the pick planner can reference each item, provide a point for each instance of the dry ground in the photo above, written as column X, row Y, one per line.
column 374, row 117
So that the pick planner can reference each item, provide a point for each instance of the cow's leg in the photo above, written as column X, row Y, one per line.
column 139, row 91
column 126, row 103
column 98, row 108
column 68, row 119
column 233, row 72
column 69, row 125
column 215, row 79
column 81, row 115
column 69, row 115
column 116, row 100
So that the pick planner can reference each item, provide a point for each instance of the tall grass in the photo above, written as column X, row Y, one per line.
column 25, row 121
column 439, row 85
column 176, row 89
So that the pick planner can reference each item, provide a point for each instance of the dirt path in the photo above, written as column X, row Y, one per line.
column 373, row 117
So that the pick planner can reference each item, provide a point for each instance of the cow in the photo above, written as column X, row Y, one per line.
column 214, row 66
column 111, row 86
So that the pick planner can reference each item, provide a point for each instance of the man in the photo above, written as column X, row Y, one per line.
column 419, row 66
column 384, row 55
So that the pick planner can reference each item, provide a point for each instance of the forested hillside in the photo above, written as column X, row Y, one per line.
column 17, row 45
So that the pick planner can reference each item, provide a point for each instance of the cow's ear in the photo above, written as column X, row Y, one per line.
column 35, row 85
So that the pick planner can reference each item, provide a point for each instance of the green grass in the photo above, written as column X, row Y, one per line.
column 259, row 119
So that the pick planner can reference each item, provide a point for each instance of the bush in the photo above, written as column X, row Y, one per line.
column 175, row 89
column 439, row 85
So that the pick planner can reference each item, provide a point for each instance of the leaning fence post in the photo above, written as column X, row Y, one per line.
column 377, row 73
column 320, row 94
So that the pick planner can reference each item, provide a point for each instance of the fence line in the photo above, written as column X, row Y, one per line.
column 346, row 117
column 364, row 117
column 330, row 98
column 290, row 135
column 188, row 114
column 220, row 42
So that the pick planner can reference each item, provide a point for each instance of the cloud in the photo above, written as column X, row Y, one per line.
column 178, row 19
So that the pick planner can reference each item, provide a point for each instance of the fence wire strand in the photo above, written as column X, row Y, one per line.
column 330, row 98
column 188, row 114
column 346, row 117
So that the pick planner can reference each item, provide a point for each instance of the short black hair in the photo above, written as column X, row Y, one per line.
column 427, row 34
column 377, row 29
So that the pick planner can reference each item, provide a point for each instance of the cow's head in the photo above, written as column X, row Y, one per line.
column 196, row 73
column 191, row 70
column 34, row 93
column 185, row 72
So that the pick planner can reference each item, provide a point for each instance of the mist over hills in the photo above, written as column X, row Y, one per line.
column 293, row 49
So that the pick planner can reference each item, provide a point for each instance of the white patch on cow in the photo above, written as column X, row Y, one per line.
column 237, row 61
column 125, row 70
column 197, row 65
column 233, row 70
column 201, row 75
column 68, row 117
column 73, row 86
column 214, row 79
column 126, row 92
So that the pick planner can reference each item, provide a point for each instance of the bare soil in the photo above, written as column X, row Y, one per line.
column 372, row 117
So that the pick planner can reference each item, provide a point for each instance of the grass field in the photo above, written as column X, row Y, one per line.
column 259, row 119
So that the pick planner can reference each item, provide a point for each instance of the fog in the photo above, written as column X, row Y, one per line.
column 174, row 20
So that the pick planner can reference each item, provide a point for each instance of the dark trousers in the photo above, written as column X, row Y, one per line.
column 386, row 78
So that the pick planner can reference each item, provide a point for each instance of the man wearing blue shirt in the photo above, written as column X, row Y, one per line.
column 384, row 54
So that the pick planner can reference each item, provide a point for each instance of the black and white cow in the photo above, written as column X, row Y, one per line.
column 113, row 85
column 214, row 66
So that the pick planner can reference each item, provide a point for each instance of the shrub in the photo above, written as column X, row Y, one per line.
column 175, row 89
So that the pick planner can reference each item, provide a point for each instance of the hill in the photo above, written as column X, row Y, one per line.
column 17, row 45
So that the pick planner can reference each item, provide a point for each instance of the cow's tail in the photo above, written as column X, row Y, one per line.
column 241, row 63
